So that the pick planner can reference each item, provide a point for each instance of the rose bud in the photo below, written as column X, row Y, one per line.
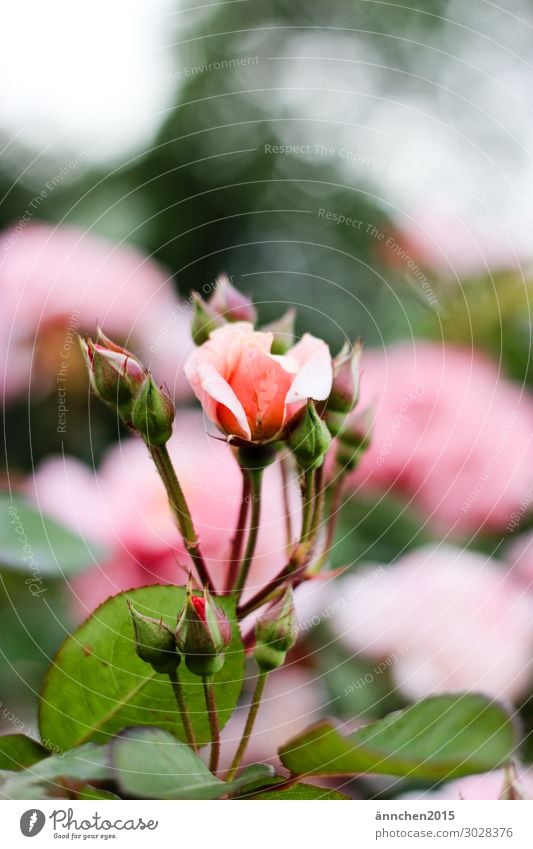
column 204, row 320
column 153, row 413
column 115, row 375
column 276, row 632
column 283, row 331
column 202, row 634
column 228, row 303
column 251, row 394
column 346, row 375
column 354, row 438
column 310, row 439
column 154, row 642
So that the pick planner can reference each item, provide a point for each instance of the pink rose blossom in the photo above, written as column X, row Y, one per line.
column 54, row 281
column 249, row 392
column 124, row 506
column 440, row 619
column 450, row 432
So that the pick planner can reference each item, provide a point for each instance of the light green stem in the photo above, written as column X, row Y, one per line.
column 308, row 496
column 256, row 480
column 214, row 725
column 180, row 510
column 250, row 721
column 183, row 709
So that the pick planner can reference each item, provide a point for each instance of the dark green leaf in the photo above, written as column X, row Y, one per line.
column 18, row 751
column 438, row 738
column 97, row 686
column 37, row 546
column 152, row 764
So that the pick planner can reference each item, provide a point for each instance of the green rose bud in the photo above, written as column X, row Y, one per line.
column 204, row 320
column 354, row 438
column 283, row 330
column 229, row 303
column 346, row 377
column 116, row 375
column 202, row 634
column 310, row 439
column 153, row 413
column 276, row 632
column 154, row 642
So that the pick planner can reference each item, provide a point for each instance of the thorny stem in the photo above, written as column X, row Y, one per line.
column 183, row 709
column 214, row 725
column 250, row 721
column 256, row 479
column 180, row 510
column 238, row 539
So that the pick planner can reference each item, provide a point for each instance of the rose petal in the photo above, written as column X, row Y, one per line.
column 315, row 377
column 217, row 389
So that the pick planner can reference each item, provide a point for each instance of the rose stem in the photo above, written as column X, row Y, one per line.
column 180, row 510
column 300, row 555
column 183, row 709
column 284, row 468
column 307, row 504
column 238, row 539
column 211, row 705
column 256, row 479
column 250, row 721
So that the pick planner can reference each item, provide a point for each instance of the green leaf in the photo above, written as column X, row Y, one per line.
column 301, row 791
column 98, row 686
column 88, row 763
column 441, row 737
column 35, row 545
column 152, row 764
column 18, row 751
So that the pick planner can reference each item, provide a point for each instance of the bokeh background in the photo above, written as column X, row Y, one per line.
column 368, row 163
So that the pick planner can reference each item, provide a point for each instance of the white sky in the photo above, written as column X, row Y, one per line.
column 76, row 75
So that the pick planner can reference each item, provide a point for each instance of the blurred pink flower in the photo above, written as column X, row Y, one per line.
column 488, row 786
column 440, row 619
column 56, row 280
column 519, row 558
column 124, row 506
column 448, row 244
column 450, row 432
